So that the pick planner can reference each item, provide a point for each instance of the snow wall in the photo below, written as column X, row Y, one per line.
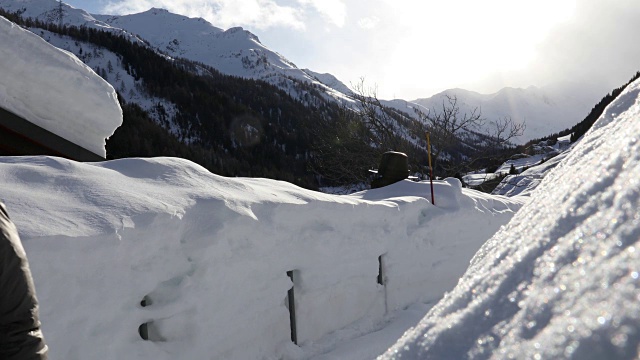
column 560, row 281
column 53, row 89
column 204, row 259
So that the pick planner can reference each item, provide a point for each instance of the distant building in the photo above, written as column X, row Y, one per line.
column 21, row 137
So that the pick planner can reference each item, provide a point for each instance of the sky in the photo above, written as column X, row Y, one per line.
column 412, row 49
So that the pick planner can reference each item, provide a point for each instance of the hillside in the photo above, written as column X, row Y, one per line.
column 159, row 258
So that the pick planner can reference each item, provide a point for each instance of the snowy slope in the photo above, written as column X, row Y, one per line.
column 231, row 52
column 211, row 255
column 331, row 81
column 530, row 169
column 55, row 90
column 561, row 279
column 545, row 110
column 528, row 180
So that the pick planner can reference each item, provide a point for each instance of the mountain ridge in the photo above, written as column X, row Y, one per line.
column 544, row 110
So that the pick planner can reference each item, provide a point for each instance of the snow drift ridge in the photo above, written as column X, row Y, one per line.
column 561, row 279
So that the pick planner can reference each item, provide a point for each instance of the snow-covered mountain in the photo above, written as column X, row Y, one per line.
column 134, row 242
column 50, row 11
column 234, row 51
column 544, row 110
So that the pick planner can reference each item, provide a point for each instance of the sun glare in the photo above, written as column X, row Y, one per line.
column 469, row 39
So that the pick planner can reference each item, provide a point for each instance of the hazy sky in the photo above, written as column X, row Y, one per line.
column 415, row 48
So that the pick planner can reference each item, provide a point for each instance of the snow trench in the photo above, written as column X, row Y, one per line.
column 201, row 266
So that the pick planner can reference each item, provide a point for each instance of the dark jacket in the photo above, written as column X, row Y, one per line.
column 20, row 335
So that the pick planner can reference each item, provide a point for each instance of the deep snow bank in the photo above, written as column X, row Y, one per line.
column 210, row 256
column 561, row 279
column 55, row 90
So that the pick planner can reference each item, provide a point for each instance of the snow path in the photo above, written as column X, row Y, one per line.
column 372, row 344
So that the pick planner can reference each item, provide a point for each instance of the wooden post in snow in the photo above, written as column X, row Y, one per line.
column 433, row 201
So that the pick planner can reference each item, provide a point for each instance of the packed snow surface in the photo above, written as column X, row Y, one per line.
column 210, row 256
column 561, row 279
column 55, row 90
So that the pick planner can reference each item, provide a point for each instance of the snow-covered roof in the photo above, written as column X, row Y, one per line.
column 53, row 89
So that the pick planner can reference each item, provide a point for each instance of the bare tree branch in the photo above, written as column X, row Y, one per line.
column 452, row 130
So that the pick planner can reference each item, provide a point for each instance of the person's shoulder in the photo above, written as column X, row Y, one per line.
column 8, row 231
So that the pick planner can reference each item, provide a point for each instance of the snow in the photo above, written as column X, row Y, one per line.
column 211, row 254
column 331, row 81
column 561, row 279
column 238, row 52
column 528, row 180
column 531, row 169
column 478, row 178
column 55, row 90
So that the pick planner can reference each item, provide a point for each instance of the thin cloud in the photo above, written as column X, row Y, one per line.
column 257, row 14
column 333, row 10
column 369, row 22
column 601, row 43
column 596, row 50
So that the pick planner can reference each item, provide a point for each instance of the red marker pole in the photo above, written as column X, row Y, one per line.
column 433, row 201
